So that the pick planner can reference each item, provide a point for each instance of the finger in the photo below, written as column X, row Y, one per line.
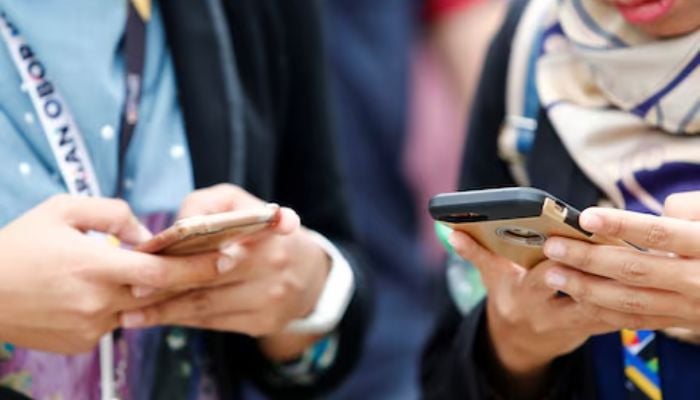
column 490, row 265
column 535, row 279
column 623, row 320
column 253, row 323
column 163, row 272
column 683, row 206
column 612, row 295
column 104, row 215
column 200, row 303
column 569, row 314
column 216, row 199
column 288, row 222
column 660, row 233
column 626, row 265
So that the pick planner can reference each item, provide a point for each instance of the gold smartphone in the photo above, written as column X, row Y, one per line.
column 205, row 233
column 512, row 222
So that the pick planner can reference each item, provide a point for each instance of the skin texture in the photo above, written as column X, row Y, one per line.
column 610, row 288
column 683, row 18
column 63, row 301
column 61, row 290
column 262, row 284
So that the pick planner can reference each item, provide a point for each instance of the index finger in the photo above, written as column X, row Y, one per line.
column 162, row 272
column 649, row 231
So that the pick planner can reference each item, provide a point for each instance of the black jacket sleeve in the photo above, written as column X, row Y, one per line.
column 458, row 361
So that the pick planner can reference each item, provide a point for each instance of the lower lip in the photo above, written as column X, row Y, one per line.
column 645, row 12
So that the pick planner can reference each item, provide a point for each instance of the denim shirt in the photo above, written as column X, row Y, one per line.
column 80, row 43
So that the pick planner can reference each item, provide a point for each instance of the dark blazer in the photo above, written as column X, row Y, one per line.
column 252, row 88
column 458, row 362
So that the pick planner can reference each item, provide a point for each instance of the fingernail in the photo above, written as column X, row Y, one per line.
column 590, row 221
column 555, row 280
column 142, row 291
column 225, row 264
column 133, row 319
column 554, row 249
column 233, row 250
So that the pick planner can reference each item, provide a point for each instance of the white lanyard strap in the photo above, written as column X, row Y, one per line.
column 58, row 124
column 68, row 147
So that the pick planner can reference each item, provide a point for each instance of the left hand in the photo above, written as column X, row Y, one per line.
column 263, row 285
column 633, row 289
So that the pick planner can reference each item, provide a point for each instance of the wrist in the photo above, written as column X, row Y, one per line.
column 335, row 295
column 520, row 354
column 322, row 265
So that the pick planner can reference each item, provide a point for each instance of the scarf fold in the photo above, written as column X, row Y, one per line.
column 626, row 105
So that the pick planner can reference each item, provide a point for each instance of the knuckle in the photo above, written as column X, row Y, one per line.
column 632, row 303
column 60, row 203
column 633, row 270
column 586, row 258
column 201, row 302
column 657, row 235
column 279, row 260
column 154, row 276
column 91, row 306
column 582, row 291
column 617, row 226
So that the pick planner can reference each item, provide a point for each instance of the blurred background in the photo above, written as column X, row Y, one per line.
column 402, row 74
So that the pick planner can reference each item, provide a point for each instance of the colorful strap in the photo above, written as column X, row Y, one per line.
column 641, row 365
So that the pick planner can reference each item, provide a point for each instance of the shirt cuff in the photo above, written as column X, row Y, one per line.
column 335, row 296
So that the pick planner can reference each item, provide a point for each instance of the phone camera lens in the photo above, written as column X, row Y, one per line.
column 522, row 236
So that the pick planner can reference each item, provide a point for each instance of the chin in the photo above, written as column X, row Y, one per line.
column 668, row 29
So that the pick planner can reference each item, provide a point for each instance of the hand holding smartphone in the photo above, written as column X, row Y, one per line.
column 512, row 222
column 207, row 233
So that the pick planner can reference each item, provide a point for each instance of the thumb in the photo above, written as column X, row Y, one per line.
column 491, row 266
column 103, row 215
column 683, row 206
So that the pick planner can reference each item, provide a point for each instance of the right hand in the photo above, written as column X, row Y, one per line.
column 61, row 290
column 528, row 324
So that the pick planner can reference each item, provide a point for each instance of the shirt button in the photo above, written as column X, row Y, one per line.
column 107, row 132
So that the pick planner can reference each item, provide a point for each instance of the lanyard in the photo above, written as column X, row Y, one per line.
column 64, row 136
column 60, row 128
column 134, row 46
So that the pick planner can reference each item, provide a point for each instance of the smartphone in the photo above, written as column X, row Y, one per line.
column 512, row 222
column 205, row 233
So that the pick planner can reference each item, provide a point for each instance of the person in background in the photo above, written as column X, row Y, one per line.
column 601, row 98
column 180, row 108
column 391, row 96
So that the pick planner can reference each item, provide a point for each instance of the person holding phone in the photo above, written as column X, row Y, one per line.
column 596, row 102
column 177, row 109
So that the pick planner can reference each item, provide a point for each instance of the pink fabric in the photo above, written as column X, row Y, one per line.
column 435, row 137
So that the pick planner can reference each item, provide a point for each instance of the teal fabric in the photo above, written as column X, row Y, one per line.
column 79, row 41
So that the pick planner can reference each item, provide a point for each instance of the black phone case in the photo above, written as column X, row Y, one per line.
column 512, row 222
